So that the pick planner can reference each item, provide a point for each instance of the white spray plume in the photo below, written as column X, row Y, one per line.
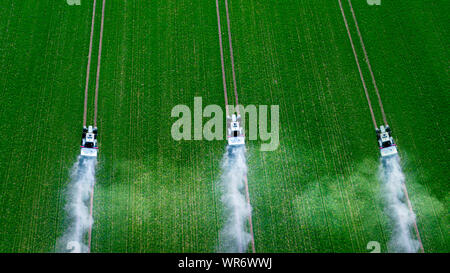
column 82, row 180
column 234, row 237
column 402, row 218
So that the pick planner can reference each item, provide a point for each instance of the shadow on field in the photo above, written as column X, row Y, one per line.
column 158, row 207
column 352, row 210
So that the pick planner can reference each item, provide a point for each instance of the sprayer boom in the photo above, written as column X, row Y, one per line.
column 89, row 142
column 386, row 141
column 235, row 133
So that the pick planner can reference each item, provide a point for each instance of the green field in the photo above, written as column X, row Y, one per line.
column 318, row 192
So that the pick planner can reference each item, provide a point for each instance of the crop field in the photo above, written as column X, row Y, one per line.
column 318, row 192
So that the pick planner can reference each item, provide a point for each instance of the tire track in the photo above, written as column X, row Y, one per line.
column 231, row 54
column 89, row 64
column 247, row 195
column 368, row 63
column 378, row 95
column 408, row 201
column 359, row 67
column 221, row 59
column 99, row 64
column 405, row 190
column 349, row 167
column 95, row 108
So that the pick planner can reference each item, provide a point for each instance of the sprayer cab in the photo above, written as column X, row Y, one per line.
column 386, row 141
column 89, row 142
column 235, row 133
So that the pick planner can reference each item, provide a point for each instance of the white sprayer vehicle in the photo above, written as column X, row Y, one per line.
column 386, row 141
column 89, row 142
column 235, row 133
